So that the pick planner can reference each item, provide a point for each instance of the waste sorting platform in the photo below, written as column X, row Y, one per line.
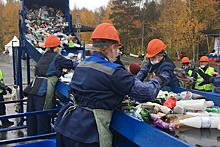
column 131, row 132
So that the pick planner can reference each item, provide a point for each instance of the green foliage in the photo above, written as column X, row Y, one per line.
column 8, row 21
column 126, row 17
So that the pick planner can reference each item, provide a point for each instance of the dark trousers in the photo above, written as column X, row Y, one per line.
column 2, row 107
column 62, row 141
column 37, row 124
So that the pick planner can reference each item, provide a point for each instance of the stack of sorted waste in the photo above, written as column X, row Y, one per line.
column 42, row 21
column 170, row 111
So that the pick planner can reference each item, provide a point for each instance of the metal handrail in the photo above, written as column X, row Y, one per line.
column 28, row 113
column 15, row 101
column 28, row 138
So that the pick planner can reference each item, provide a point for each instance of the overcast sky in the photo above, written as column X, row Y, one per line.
column 89, row 4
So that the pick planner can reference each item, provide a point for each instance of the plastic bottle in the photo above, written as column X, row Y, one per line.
column 161, row 124
column 197, row 96
column 151, row 106
column 210, row 104
column 186, row 95
column 165, row 109
column 179, row 109
column 192, row 104
column 201, row 122
column 156, row 107
column 205, row 113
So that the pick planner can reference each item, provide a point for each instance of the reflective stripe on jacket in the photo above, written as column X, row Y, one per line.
column 190, row 72
column 1, row 80
column 205, row 87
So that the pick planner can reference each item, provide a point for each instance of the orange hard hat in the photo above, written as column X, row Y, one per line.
column 154, row 47
column 204, row 59
column 185, row 60
column 52, row 41
column 105, row 31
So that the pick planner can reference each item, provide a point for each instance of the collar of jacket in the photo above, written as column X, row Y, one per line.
column 158, row 64
column 100, row 55
column 205, row 68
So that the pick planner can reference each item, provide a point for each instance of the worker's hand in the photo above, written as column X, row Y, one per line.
column 9, row 89
column 182, row 76
column 214, row 73
column 189, row 82
column 207, row 79
column 161, row 79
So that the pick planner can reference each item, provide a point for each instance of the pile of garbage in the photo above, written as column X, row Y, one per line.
column 196, row 112
column 42, row 21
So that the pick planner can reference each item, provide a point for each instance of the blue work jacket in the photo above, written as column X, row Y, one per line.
column 98, row 83
column 164, row 68
column 50, row 64
column 217, row 81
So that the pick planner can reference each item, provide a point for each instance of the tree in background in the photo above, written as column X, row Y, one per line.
column 87, row 18
column 9, row 21
column 90, row 18
column 151, row 13
column 173, row 24
column 180, row 23
column 205, row 15
column 177, row 22
column 1, row 25
column 126, row 17
column 106, row 13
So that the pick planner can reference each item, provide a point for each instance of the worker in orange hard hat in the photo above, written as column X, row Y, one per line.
column 185, row 62
column 41, row 90
column 190, row 71
column 99, row 86
column 159, row 63
column 187, row 65
column 206, row 69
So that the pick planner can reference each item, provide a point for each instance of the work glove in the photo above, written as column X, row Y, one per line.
column 161, row 79
column 8, row 89
column 182, row 76
column 207, row 79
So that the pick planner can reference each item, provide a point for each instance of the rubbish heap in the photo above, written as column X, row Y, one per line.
column 42, row 21
column 194, row 110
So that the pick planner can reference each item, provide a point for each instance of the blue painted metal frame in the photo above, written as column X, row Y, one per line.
column 16, row 140
column 45, row 143
column 19, row 54
column 17, row 70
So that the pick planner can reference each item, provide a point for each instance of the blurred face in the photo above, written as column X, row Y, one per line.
column 203, row 64
column 57, row 50
column 185, row 65
column 156, row 59
column 113, row 52
column 128, row 69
